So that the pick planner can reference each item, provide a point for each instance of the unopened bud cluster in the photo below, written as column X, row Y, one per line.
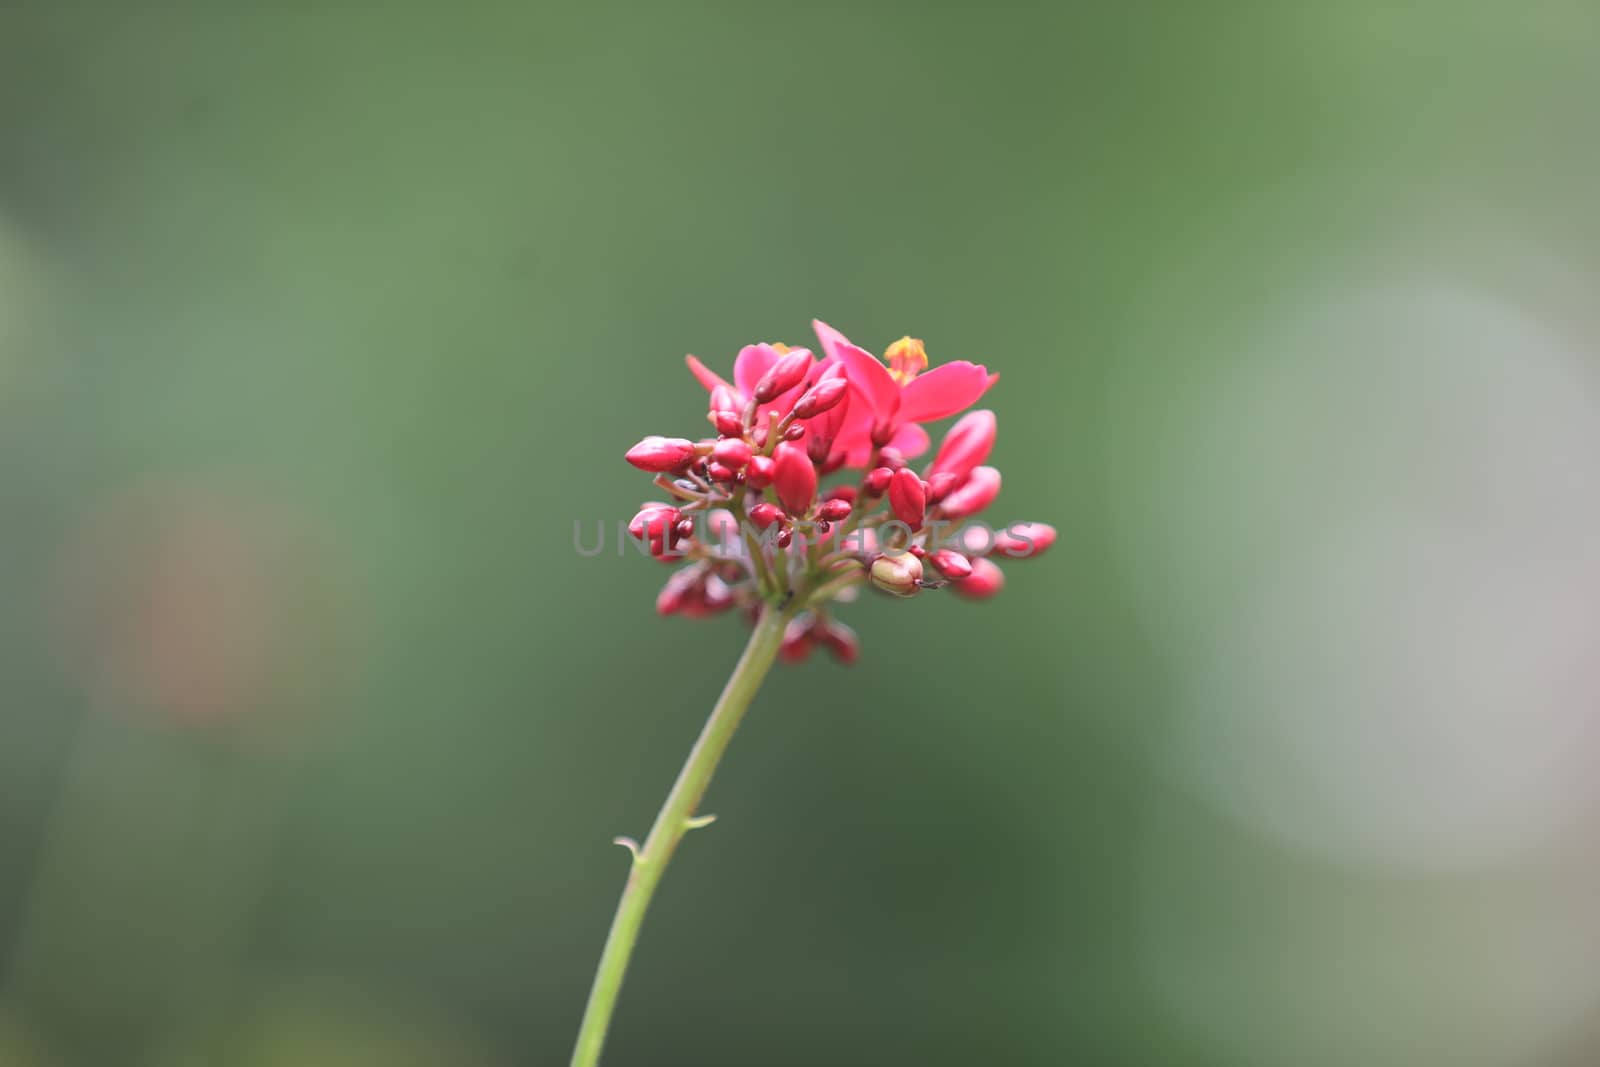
column 805, row 491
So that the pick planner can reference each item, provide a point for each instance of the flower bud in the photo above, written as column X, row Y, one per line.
column 718, row 473
column 940, row 484
column 794, row 478
column 891, row 457
column 984, row 582
column 966, row 445
column 724, row 412
column 906, row 497
column 1024, row 540
column 785, row 537
column 975, row 494
column 842, row 492
column 788, row 372
column 682, row 587
column 732, row 453
column 683, row 530
column 824, row 396
column 877, row 480
column 950, row 563
column 796, row 641
column 758, row 475
column 661, row 454
column 840, row 640
column 653, row 521
column 765, row 514
column 834, row 510
column 897, row 574
column 794, row 432
column 718, row 595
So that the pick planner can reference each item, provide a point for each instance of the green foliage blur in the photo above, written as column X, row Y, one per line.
column 321, row 326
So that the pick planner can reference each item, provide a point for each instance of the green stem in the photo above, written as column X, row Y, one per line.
column 676, row 818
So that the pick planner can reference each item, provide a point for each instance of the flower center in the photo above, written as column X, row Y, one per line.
column 905, row 357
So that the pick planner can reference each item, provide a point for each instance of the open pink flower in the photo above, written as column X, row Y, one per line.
column 888, row 402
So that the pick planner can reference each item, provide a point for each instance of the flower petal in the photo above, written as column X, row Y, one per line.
column 868, row 377
column 911, row 440
column 944, row 390
column 706, row 376
column 832, row 340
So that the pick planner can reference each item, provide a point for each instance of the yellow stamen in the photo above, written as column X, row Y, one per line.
column 906, row 357
column 780, row 348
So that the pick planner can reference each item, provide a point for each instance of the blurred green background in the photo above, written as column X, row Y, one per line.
column 320, row 326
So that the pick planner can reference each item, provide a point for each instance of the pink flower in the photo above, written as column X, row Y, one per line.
column 776, row 535
column 888, row 402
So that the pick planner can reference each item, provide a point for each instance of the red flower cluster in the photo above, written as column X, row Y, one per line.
column 750, row 513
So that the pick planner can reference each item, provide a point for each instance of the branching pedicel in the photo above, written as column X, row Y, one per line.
column 756, row 530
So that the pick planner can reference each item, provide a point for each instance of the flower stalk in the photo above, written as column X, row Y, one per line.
column 676, row 818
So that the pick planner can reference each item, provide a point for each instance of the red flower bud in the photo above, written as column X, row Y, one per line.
column 951, row 564
column 891, row 457
column 907, row 498
column 683, row 530
column 975, row 494
column 840, row 640
column 718, row 595
column 794, row 432
column 966, row 445
column 725, row 407
column 784, row 375
column 984, row 582
column 653, row 521
column 842, row 492
column 718, row 473
column 899, row 575
column 758, row 475
column 785, row 537
column 794, row 478
column 796, row 641
column 834, row 509
column 824, row 396
column 877, row 480
column 940, row 484
column 765, row 514
column 1024, row 540
column 731, row 453
column 661, row 454
column 679, row 590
